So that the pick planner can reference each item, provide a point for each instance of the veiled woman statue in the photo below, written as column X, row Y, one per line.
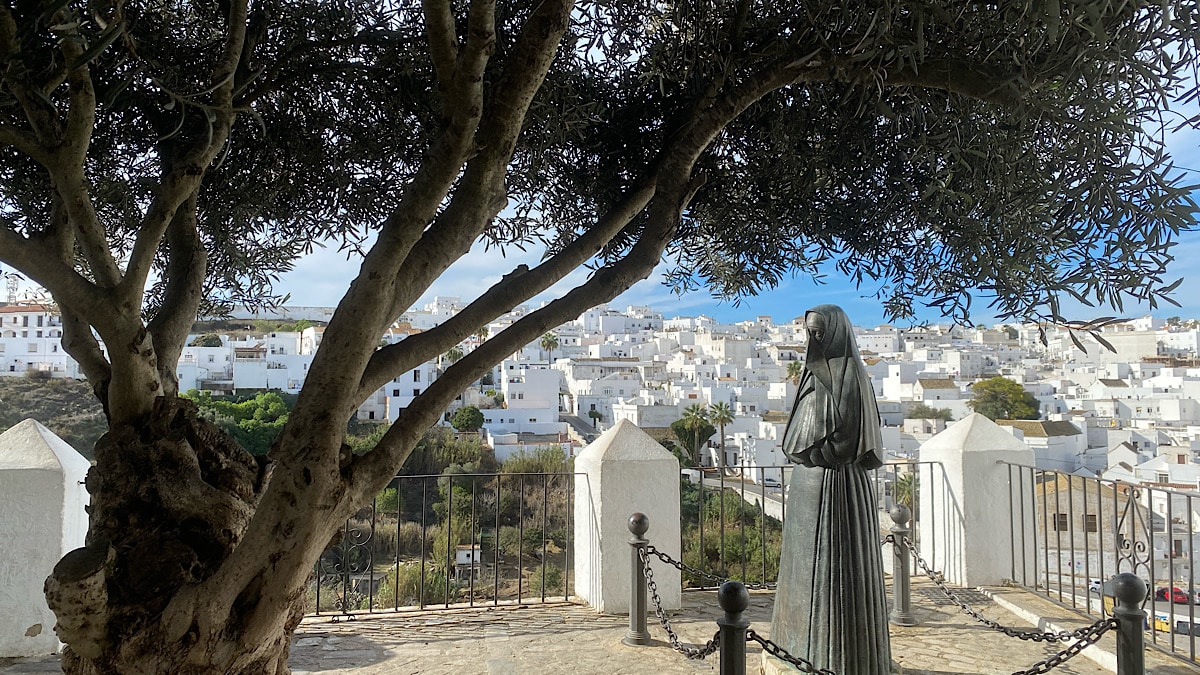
column 830, row 606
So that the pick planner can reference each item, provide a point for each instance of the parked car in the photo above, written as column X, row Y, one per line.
column 771, row 482
column 1174, row 594
column 1094, row 585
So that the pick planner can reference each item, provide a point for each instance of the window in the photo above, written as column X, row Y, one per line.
column 416, row 392
column 1090, row 523
column 416, row 376
column 32, row 347
column 1162, row 478
column 40, row 319
column 1061, row 524
column 532, row 419
column 211, row 358
column 371, row 415
column 395, row 392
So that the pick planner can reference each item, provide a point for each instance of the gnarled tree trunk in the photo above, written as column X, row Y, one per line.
column 172, row 497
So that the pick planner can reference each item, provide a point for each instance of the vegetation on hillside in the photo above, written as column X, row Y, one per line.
column 66, row 407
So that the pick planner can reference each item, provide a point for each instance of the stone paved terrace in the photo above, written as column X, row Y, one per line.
column 572, row 639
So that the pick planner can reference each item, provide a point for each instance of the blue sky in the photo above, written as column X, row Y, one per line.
column 321, row 278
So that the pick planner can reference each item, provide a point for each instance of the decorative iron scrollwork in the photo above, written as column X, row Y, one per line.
column 340, row 567
column 1132, row 534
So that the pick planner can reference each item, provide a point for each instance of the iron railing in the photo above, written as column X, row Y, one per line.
column 452, row 540
column 1071, row 534
column 739, row 535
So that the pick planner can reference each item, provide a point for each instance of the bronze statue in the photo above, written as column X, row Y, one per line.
column 830, row 606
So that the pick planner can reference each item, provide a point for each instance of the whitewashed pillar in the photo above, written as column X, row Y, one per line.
column 970, row 511
column 622, row 472
column 42, row 517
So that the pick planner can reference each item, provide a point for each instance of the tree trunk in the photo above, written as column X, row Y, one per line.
column 171, row 499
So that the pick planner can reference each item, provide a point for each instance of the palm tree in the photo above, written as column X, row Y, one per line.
column 549, row 342
column 906, row 490
column 695, row 416
column 720, row 414
column 793, row 371
column 453, row 354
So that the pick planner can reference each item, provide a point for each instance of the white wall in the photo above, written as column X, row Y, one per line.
column 41, row 518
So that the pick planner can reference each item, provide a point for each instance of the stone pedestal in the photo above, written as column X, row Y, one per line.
column 970, row 524
column 42, row 517
column 622, row 472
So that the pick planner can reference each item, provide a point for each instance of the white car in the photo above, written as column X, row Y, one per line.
column 771, row 483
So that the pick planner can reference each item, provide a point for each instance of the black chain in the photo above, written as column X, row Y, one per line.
column 1034, row 635
column 684, row 567
column 780, row 653
column 1091, row 636
column 672, row 638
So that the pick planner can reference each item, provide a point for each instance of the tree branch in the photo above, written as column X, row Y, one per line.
column 186, row 264
column 23, row 142
column 366, row 308
column 443, row 44
column 185, row 173
column 513, row 289
column 992, row 85
column 480, row 194
column 67, row 286
column 81, row 344
column 606, row 284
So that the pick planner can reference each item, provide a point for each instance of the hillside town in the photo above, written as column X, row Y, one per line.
column 1129, row 413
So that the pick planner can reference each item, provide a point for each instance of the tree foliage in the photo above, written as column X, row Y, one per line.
column 937, row 152
column 253, row 422
column 921, row 411
column 794, row 370
column 207, row 340
column 467, row 418
column 549, row 342
column 692, row 436
column 999, row 398
column 721, row 414
column 541, row 459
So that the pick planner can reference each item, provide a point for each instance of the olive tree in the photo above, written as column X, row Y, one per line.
column 160, row 160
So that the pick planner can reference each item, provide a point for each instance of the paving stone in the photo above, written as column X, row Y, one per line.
column 572, row 639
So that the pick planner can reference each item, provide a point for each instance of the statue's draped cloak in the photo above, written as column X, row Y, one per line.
column 830, row 606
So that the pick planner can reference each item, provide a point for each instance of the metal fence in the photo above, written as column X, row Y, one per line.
column 733, row 520
column 452, row 540
column 1073, row 533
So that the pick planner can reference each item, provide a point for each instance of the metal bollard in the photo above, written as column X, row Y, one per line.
column 1130, row 592
column 734, row 599
column 901, row 614
column 637, row 634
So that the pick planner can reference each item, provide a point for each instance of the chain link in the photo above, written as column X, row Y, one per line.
column 716, row 578
column 1034, row 635
column 780, row 653
column 672, row 638
column 1091, row 635
column 1083, row 637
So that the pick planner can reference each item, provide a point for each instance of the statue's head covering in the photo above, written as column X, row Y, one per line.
column 835, row 419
